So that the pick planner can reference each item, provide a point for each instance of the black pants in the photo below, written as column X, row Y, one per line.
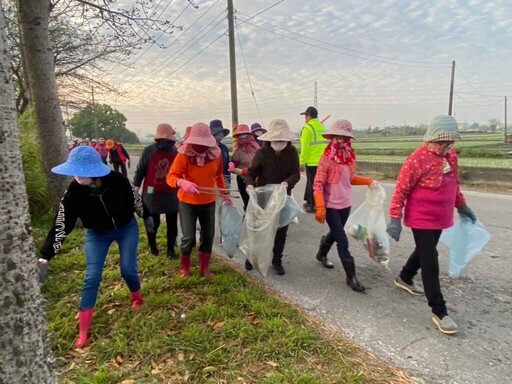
column 336, row 219
column 308, row 193
column 123, row 168
column 189, row 214
column 279, row 243
column 172, row 227
column 425, row 256
column 242, row 186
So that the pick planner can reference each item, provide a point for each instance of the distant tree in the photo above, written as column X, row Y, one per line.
column 474, row 126
column 493, row 124
column 101, row 120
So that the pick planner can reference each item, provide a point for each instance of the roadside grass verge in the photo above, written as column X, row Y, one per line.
column 226, row 330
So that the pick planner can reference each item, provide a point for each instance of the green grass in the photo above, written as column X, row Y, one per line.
column 463, row 161
column 224, row 330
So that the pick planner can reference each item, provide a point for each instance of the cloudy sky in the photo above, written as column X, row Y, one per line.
column 375, row 62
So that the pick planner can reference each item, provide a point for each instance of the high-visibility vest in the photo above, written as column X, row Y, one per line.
column 312, row 142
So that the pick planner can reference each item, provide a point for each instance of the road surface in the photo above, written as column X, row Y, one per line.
column 397, row 326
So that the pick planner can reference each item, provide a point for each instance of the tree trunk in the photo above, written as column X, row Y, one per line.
column 34, row 16
column 25, row 354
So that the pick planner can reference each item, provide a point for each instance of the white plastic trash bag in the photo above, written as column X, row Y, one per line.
column 465, row 240
column 230, row 226
column 290, row 212
column 368, row 225
column 261, row 223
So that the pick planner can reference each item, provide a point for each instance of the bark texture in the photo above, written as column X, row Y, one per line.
column 34, row 16
column 25, row 354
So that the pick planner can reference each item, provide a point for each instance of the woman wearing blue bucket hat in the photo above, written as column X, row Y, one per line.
column 105, row 202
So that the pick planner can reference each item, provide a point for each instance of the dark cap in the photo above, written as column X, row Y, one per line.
column 311, row 111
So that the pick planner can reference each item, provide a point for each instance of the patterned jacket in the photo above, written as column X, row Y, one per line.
column 423, row 169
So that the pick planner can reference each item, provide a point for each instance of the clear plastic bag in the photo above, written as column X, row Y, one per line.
column 290, row 212
column 261, row 223
column 368, row 225
column 465, row 240
column 230, row 226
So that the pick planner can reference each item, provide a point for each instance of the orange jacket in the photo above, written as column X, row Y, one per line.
column 209, row 175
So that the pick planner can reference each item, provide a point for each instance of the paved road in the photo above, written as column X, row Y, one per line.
column 397, row 326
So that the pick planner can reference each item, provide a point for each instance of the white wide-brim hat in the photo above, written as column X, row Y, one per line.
column 278, row 130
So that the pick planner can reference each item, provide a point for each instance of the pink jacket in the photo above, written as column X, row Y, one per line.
column 424, row 169
column 102, row 149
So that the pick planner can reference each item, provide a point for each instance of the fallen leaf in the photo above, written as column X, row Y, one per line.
column 73, row 353
column 155, row 371
column 273, row 364
column 209, row 369
column 218, row 325
column 192, row 356
column 111, row 311
column 129, row 381
column 119, row 359
column 181, row 356
column 154, row 365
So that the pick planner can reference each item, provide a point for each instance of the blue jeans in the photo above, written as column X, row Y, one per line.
column 96, row 248
column 336, row 219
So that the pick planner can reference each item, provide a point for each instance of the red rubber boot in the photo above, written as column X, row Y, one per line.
column 84, row 324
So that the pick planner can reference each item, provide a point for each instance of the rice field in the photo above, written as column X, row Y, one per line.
column 463, row 161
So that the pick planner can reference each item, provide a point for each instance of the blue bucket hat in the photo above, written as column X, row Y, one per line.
column 83, row 162
column 216, row 127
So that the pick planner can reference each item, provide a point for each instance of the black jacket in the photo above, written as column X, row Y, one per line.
column 112, row 207
column 268, row 167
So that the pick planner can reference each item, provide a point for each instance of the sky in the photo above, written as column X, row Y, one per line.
column 375, row 62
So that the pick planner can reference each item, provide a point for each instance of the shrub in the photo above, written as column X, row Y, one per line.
column 35, row 176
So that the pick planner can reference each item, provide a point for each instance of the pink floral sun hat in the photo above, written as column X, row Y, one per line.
column 242, row 129
column 165, row 131
column 339, row 128
column 200, row 134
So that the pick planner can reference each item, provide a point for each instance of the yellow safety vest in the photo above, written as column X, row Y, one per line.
column 312, row 143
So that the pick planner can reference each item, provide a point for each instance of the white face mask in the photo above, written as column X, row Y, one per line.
column 278, row 146
column 83, row 180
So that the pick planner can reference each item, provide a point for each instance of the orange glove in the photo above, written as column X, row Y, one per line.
column 360, row 180
column 321, row 213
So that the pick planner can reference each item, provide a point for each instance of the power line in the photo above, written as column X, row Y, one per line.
column 476, row 90
column 259, row 13
column 248, row 75
column 177, row 54
column 480, row 94
column 158, row 38
column 181, row 66
column 342, row 53
column 349, row 49
column 475, row 104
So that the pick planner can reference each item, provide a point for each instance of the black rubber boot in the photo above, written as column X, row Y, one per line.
column 152, row 244
column 248, row 265
column 278, row 267
column 171, row 254
column 350, row 269
column 323, row 250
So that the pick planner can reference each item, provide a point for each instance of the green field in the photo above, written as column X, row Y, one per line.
column 474, row 150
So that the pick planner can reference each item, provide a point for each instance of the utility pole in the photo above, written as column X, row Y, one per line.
column 315, row 99
column 232, row 65
column 94, row 112
column 505, row 119
column 450, row 104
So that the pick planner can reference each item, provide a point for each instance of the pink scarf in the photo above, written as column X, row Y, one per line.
column 248, row 145
column 341, row 152
column 197, row 158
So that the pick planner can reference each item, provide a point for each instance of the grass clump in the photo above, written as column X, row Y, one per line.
column 224, row 330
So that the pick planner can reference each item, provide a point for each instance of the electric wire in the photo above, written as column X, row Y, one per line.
column 248, row 75
column 349, row 49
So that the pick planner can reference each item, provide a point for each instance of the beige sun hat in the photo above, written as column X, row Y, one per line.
column 278, row 130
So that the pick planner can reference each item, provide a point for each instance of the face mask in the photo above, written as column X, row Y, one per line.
column 243, row 136
column 258, row 133
column 278, row 146
column 86, row 181
column 164, row 145
column 199, row 148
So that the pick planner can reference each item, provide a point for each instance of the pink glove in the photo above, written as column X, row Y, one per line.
column 227, row 200
column 231, row 166
column 188, row 186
